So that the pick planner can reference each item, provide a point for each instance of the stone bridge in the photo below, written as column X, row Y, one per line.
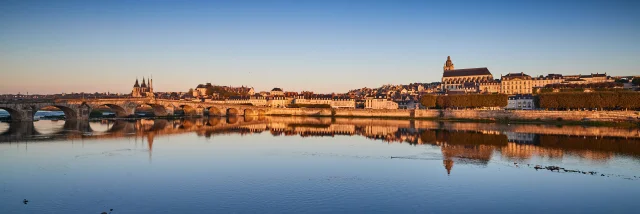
column 81, row 129
column 79, row 109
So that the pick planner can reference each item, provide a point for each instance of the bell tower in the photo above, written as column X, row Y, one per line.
column 448, row 65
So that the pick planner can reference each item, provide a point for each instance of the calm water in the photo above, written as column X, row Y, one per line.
column 317, row 165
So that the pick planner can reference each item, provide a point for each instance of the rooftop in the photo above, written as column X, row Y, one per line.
column 467, row 72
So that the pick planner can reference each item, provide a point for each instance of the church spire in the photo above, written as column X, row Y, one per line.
column 448, row 164
column 448, row 65
column 136, row 85
column 144, row 85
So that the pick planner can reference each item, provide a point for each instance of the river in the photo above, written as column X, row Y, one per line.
column 315, row 165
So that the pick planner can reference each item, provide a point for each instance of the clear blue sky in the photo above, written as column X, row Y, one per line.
column 325, row 46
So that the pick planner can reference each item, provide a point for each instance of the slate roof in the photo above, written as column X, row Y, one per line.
column 466, row 72
column 516, row 75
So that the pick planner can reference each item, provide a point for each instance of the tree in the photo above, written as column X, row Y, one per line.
column 636, row 81
column 209, row 91
column 472, row 100
column 428, row 101
column 591, row 100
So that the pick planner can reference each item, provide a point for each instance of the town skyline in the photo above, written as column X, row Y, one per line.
column 269, row 88
column 54, row 47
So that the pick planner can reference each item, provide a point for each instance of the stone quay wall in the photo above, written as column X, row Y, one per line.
column 373, row 113
column 542, row 115
column 465, row 114
column 300, row 112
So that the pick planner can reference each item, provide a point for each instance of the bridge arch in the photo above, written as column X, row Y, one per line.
column 154, row 109
column 232, row 120
column 15, row 114
column 233, row 112
column 261, row 112
column 250, row 112
column 118, row 110
column 190, row 110
column 159, row 110
column 4, row 127
column 213, row 121
column 214, row 111
column 69, row 113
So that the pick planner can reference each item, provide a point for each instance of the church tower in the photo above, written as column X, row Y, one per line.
column 150, row 90
column 136, row 90
column 448, row 66
column 144, row 85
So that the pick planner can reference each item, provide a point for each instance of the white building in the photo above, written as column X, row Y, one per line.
column 276, row 92
column 379, row 102
column 523, row 102
column 409, row 104
column 278, row 102
column 334, row 102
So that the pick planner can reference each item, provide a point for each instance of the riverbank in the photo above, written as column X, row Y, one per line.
column 588, row 118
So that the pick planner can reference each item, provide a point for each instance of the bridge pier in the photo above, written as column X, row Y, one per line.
column 77, row 125
column 20, row 111
column 82, row 113
column 199, row 112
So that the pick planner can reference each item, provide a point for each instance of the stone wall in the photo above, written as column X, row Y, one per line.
column 542, row 115
column 300, row 111
column 467, row 114
column 373, row 113
column 428, row 113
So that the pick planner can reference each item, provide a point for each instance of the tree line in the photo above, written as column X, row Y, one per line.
column 609, row 100
column 589, row 85
column 464, row 101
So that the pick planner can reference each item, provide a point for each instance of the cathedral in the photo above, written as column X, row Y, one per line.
column 143, row 90
column 468, row 80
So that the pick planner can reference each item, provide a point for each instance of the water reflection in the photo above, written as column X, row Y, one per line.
column 313, row 161
column 469, row 141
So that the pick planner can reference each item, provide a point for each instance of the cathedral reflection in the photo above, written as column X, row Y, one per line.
column 460, row 143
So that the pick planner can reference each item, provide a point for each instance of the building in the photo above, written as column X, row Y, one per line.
column 409, row 104
column 516, row 83
column 242, row 90
column 278, row 101
column 142, row 90
column 490, row 87
column 326, row 99
column 201, row 89
column 290, row 94
column 379, row 102
column 588, row 79
column 343, row 102
column 276, row 92
column 520, row 102
column 314, row 99
column 550, row 79
column 467, row 80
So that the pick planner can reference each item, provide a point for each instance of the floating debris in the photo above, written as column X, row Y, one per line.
column 561, row 169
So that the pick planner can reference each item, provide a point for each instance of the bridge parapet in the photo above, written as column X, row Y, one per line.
column 24, row 110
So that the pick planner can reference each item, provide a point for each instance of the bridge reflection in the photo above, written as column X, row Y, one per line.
column 469, row 143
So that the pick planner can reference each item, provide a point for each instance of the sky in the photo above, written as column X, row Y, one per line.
column 324, row 46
